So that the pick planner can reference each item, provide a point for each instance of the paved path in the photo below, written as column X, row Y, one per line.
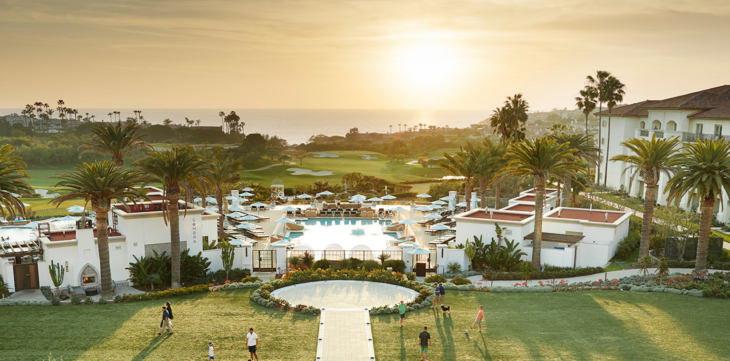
column 267, row 167
column 591, row 278
column 345, row 335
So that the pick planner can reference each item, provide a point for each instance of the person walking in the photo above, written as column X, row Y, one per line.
column 479, row 318
column 169, row 311
column 436, row 294
column 253, row 342
column 402, row 310
column 442, row 291
column 165, row 324
column 424, row 340
column 211, row 351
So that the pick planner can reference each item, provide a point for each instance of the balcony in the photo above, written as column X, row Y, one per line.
column 659, row 133
column 690, row 137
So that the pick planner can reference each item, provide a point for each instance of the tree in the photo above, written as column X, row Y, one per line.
column 174, row 168
column 167, row 122
column 227, row 256
column 231, row 121
column 463, row 163
column 12, row 182
column 703, row 171
column 299, row 155
column 584, row 150
column 653, row 157
column 539, row 159
column 116, row 140
column 597, row 85
column 100, row 183
column 489, row 159
column 586, row 102
column 614, row 94
column 219, row 171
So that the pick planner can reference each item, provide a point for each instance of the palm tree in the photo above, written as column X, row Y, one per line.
column 703, row 171
column 540, row 159
column 463, row 163
column 220, row 171
column 12, row 182
column 584, row 150
column 509, row 120
column 100, row 184
column 653, row 157
column 598, row 84
column 116, row 140
column 489, row 159
column 614, row 94
column 223, row 121
column 587, row 102
column 174, row 168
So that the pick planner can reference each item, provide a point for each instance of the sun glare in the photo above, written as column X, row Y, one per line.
column 427, row 64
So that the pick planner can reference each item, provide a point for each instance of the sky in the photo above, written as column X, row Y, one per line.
column 351, row 54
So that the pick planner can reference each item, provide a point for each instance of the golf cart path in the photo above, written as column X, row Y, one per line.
column 267, row 167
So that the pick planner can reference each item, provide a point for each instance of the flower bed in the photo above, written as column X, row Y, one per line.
column 543, row 275
column 263, row 296
column 147, row 296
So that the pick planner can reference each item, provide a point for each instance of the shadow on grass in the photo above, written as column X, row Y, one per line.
column 154, row 344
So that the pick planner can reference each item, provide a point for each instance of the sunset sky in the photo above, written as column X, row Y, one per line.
column 398, row 54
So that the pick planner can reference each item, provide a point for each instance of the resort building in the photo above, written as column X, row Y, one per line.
column 571, row 237
column 703, row 114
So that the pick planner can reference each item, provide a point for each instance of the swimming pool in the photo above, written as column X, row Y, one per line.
column 323, row 233
column 18, row 233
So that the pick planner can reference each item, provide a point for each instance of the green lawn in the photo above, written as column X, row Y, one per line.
column 128, row 331
column 348, row 162
column 600, row 325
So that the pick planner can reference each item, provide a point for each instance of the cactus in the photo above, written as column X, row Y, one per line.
column 57, row 273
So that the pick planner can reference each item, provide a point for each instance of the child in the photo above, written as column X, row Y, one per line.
column 211, row 350
column 478, row 320
column 445, row 309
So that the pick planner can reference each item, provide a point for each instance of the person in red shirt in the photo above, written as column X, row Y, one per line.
column 479, row 318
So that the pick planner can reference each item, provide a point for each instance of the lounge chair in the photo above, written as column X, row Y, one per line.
column 294, row 226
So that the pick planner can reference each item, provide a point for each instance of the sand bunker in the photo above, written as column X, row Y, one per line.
column 367, row 156
column 300, row 171
column 324, row 155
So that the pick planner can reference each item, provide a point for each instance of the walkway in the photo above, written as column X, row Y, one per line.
column 345, row 335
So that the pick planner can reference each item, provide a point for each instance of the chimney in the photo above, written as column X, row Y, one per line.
column 606, row 216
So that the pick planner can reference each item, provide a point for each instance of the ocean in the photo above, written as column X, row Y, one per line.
column 297, row 125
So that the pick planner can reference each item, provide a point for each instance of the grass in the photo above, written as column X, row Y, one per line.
column 633, row 257
column 600, row 325
column 348, row 162
column 724, row 236
column 128, row 331
column 631, row 202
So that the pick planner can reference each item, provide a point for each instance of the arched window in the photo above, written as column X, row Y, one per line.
column 642, row 125
column 656, row 125
column 672, row 126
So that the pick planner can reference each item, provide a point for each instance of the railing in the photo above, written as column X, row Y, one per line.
column 659, row 133
column 339, row 255
column 691, row 137
column 644, row 132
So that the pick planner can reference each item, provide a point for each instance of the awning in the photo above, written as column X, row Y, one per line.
column 557, row 237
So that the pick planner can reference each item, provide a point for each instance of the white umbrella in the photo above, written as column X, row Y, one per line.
column 247, row 189
column 435, row 206
column 417, row 251
column 409, row 243
column 304, row 196
column 258, row 204
column 441, row 203
column 230, row 198
column 407, row 221
column 247, row 194
column 235, row 214
column 326, row 193
column 75, row 209
column 440, row 227
column 282, row 243
column 399, row 209
column 235, row 208
column 388, row 197
column 212, row 209
column 462, row 204
column 211, row 200
column 245, row 226
column 236, row 242
column 249, row 217
column 197, row 200
column 284, row 220
column 447, row 198
column 424, row 209
column 375, row 199
column 290, row 209
column 432, row 216
column 423, row 195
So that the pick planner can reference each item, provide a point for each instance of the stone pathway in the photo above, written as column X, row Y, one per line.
column 345, row 335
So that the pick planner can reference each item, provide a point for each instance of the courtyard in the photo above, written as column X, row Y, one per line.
column 597, row 325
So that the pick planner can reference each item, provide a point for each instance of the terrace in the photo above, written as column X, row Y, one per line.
column 68, row 235
column 499, row 216
column 520, row 208
column 587, row 215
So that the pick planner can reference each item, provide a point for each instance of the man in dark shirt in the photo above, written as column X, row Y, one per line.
column 165, row 322
column 424, row 340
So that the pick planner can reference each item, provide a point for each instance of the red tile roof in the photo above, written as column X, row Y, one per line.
column 500, row 216
column 587, row 215
column 715, row 101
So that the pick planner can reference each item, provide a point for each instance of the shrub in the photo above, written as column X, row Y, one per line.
column 396, row 264
column 370, row 265
column 460, row 281
column 629, row 244
column 102, row 301
column 250, row 279
column 118, row 299
column 411, row 276
column 322, row 264
column 308, row 259
column 453, row 267
column 355, row 263
column 435, row 278
column 657, row 242
column 76, row 300
column 550, row 272
column 88, row 301
column 55, row 301
column 345, row 264
column 166, row 293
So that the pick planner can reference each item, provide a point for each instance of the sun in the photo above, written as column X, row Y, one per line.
column 427, row 64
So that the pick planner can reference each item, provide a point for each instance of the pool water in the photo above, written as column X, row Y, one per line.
column 18, row 233
column 321, row 233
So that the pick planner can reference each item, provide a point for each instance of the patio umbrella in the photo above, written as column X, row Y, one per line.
column 249, row 217
column 245, row 226
column 375, row 199
column 326, row 193
column 289, row 209
column 75, row 209
column 230, row 198
column 424, row 209
column 235, row 208
column 407, row 221
column 409, row 243
column 399, row 209
column 423, row 195
column 65, row 219
column 197, row 200
column 432, row 216
column 247, row 189
column 417, row 251
column 236, row 242
column 388, row 197
column 282, row 243
column 258, row 204
column 247, row 194
column 440, row 227
column 461, row 204
column 235, row 214
column 284, row 220
column 211, row 200
column 447, row 198
column 212, row 209
column 304, row 196
column 441, row 203
column 435, row 207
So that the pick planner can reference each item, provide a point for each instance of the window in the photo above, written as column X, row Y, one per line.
column 672, row 126
column 642, row 125
column 718, row 130
column 604, row 123
column 698, row 129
